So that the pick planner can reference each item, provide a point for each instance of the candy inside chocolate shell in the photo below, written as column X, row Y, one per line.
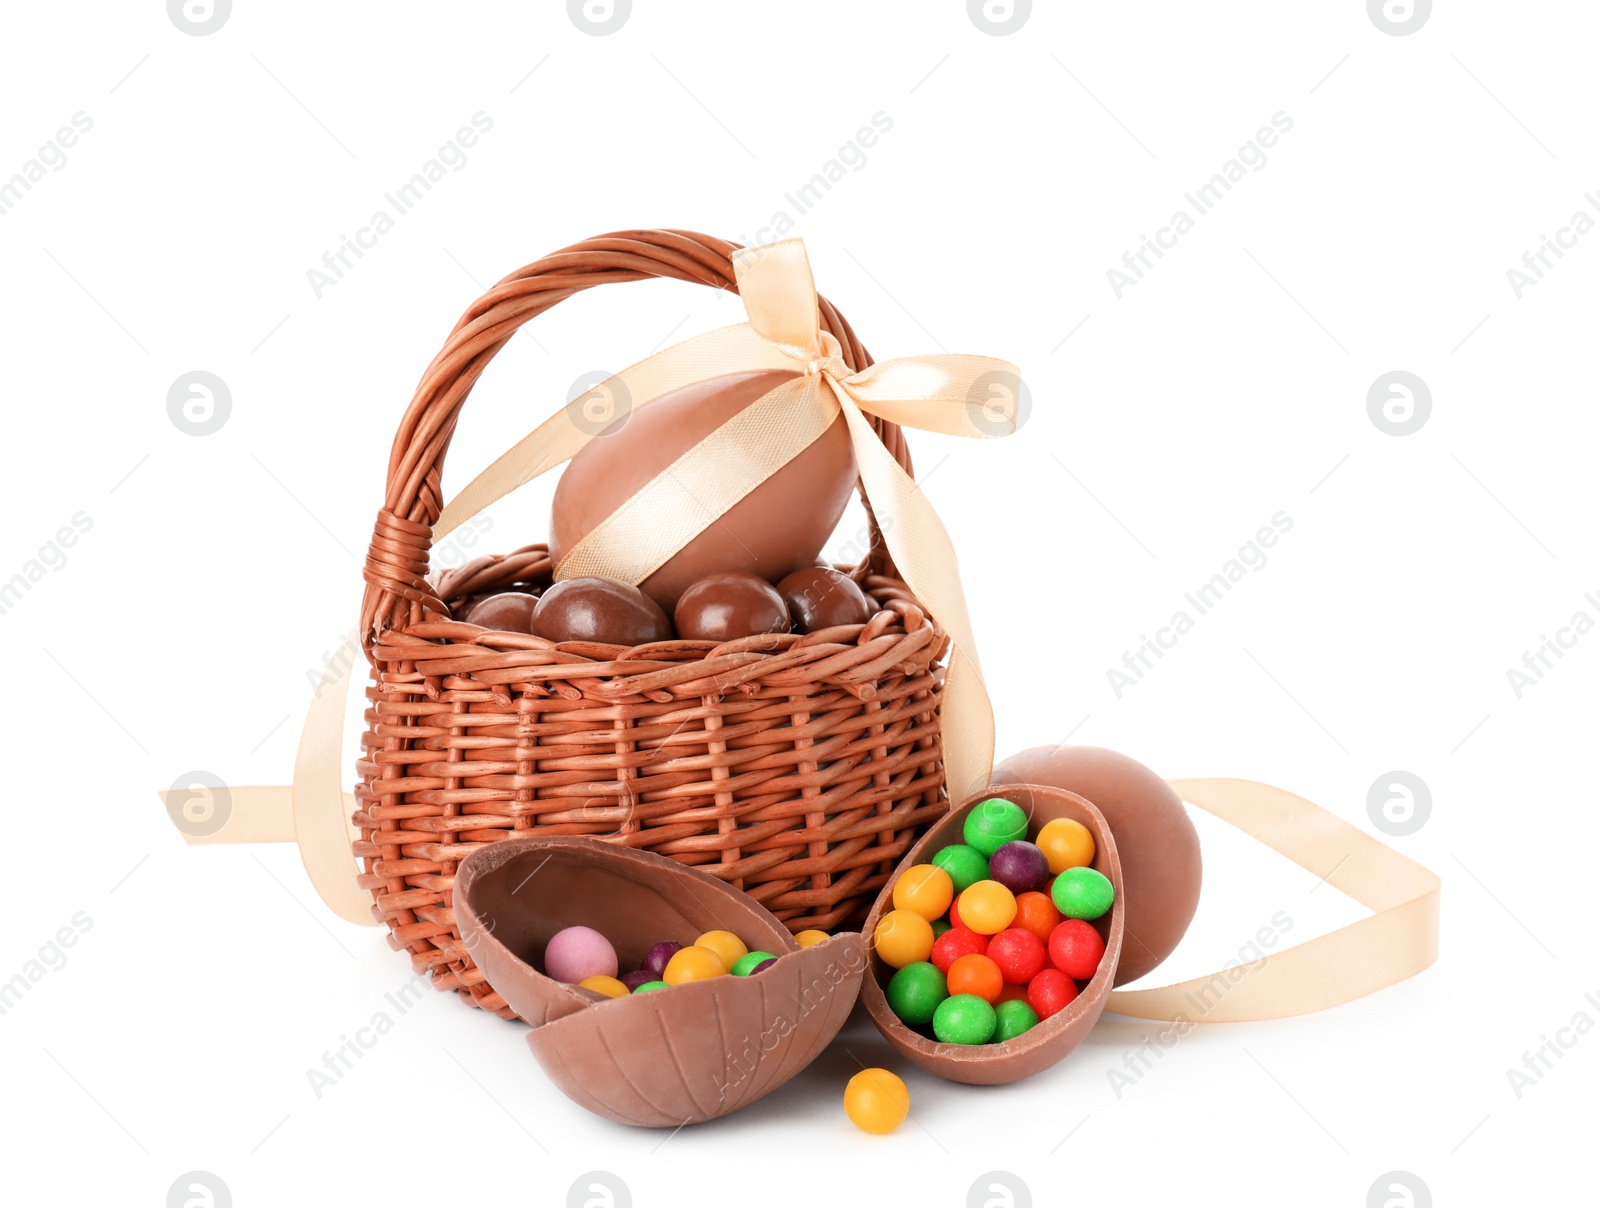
column 1048, row 1041
column 685, row 1054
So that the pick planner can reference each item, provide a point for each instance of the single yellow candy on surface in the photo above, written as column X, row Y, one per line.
column 924, row 889
column 693, row 964
column 725, row 944
column 876, row 1101
column 609, row 986
column 987, row 907
column 1066, row 843
column 807, row 938
column 903, row 937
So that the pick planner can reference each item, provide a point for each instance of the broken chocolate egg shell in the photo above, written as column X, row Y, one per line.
column 686, row 1054
column 1048, row 1041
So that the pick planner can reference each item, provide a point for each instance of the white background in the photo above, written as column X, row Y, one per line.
column 1228, row 385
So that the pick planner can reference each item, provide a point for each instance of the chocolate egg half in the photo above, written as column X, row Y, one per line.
column 776, row 528
column 686, row 1054
column 729, row 605
column 1159, row 847
column 599, row 610
column 819, row 597
column 1048, row 1041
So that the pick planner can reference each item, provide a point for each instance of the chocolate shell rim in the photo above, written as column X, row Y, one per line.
column 930, row 1053
column 493, row 856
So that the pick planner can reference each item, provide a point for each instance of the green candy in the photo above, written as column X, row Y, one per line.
column 964, row 1019
column 915, row 992
column 1012, row 1018
column 746, row 964
column 940, row 926
column 994, row 823
column 966, row 865
column 655, row 985
column 1082, row 893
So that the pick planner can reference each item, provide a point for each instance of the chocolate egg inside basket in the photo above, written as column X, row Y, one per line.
column 686, row 1054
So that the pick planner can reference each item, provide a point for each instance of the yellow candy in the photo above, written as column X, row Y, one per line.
column 1065, row 844
column 903, row 938
column 609, row 986
column 806, row 938
column 876, row 1101
column 725, row 944
column 987, row 907
column 924, row 889
column 692, row 965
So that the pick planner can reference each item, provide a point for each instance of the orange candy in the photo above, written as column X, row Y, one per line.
column 1036, row 913
column 975, row 974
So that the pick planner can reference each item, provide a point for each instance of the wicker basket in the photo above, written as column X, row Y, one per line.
column 797, row 768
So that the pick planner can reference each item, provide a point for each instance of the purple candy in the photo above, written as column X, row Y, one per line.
column 1019, row 866
column 766, row 964
column 655, row 961
column 638, row 978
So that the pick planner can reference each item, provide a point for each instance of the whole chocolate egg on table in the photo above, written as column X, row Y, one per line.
column 778, row 527
column 1157, row 843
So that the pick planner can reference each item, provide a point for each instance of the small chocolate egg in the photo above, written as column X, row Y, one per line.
column 1157, row 843
column 729, row 605
column 780, row 525
column 509, row 611
column 599, row 610
column 819, row 597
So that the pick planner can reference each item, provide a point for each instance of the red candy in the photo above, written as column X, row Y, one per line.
column 1050, row 991
column 959, row 941
column 955, row 915
column 1075, row 949
column 1008, row 993
column 1018, row 953
column 976, row 974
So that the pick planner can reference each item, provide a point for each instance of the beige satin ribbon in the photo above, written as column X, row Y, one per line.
column 1399, row 940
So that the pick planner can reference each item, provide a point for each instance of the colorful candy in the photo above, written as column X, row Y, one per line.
column 1066, row 843
column 601, row 984
column 725, row 944
column 988, row 907
column 903, row 937
column 876, row 1101
column 915, row 992
column 924, row 889
column 1082, row 893
column 575, row 953
column 1036, row 913
column 646, row 987
column 966, row 865
column 976, row 975
column 751, row 962
column 1012, row 1018
column 692, row 965
column 956, row 943
column 1020, row 867
column 1050, row 991
column 656, row 959
column 1076, row 949
column 964, row 1019
column 807, row 938
column 1018, row 954
column 638, row 978
column 992, row 824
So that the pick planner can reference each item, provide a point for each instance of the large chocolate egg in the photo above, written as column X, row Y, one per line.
column 776, row 528
column 819, row 597
column 727, row 606
column 1157, row 842
column 599, row 610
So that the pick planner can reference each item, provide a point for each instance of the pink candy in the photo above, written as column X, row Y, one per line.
column 576, row 953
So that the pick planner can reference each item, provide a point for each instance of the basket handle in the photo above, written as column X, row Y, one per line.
column 397, row 592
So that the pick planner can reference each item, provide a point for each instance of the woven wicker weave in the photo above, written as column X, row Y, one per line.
column 798, row 768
